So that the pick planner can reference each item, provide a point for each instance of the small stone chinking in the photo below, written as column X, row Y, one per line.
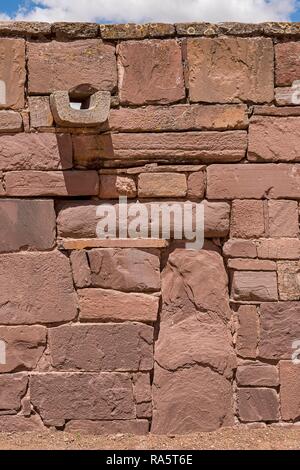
column 161, row 339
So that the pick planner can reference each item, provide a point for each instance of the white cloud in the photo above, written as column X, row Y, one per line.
column 159, row 10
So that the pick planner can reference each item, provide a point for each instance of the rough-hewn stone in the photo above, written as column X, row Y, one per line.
column 113, row 186
column 289, row 280
column 278, row 248
column 24, row 346
column 241, row 264
column 238, row 248
column 287, row 63
column 247, row 332
column 247, row 219
column 36, row 288
column 51, row 65
column 159, row 79
column 196, row 183
column 10, row 121
column 258, row 404
column 25, row 28
column 80, row 268
column 40, row 111
column 289, row 390
column 162, row 185
column 109, row 305
column 12, row 389
column 279, row 327
column 283, row 219
column 257, row 374
column 254, row 286
column 136, row 31
column 18, row 423
column 65, row 30
column 12, row 69
column 230, row 70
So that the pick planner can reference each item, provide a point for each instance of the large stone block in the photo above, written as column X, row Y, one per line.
column 12, row 71
column 194, row 359
column 109, row 347
column 109, row 305
column 279, row 328
column 287, row 70
column 257, row 404
column 27, row 224
column 254, row 286
column 104, row 396
column 12, row 389
column 158, row 79
column 283, row 218
column 36, row 288
column 289, row 391
column 24, row 346
column 230, row 70
column 289, row 280
column 35, row 152
column 51, row 65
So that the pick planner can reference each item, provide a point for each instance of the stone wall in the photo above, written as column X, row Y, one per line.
column 131, row 336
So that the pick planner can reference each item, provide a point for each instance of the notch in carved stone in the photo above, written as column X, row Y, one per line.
column 91, row 111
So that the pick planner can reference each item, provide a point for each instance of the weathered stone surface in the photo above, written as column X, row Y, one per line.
column 36, row 288
column 21, row 424
column 83, row 426
column 153, row 168
column 68, row 396
column 79, row 219
column 35, row 152
column 157, row 80
column 40, row 112
column 247, row 332
column 64, row 30
column 287, row 63
column 12, row 70
column 255, row 181
column 196, row 183
column 180, row 117
column 24, row 346
column 25, row 28
column 289, row 280
column 142, row 394
column 241, row 264
column 109, row 305
column 283, row 218
column 109, row 347
column 272, row 110
column 281, row 29
column 279, row 327
column 210, row 29
column 162, row 185
column 27, row 224
column 12, row 389
column 257, row 404
column 51, row 65
column 273, row 139
column 240, row 248
column 194, row 359
column 254, row 286
column 257, row 374
column 10, row 121
column 136, row 31
column 247, row 219
column 125, row 269
column 80, row 268
column 228, row 146
column 289, row 390
column 278, row 248
column 52, row 183
column 230, row 70
column 113, row 186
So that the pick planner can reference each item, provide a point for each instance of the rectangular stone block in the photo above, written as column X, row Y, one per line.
column 257, row 404
column 36, row 288
column 125, row 148
column 106, row 347
column 52, row 183
column 24, row 346
column 254, row 286
column 68, row 396
column 40, row 111
column 283, row 219
column 12, row 71
column 289, row 391
column 273, row 139
column 255, row 181
column 162, row 185
column 10, row 121
column 27, row 225
column 35, row 152
column 114, row 186
column 247, row 333
column 159, row 79
column 51, row 65
column 108, row 305
column 279, row 328
column 239, row 248
column 230, row 70
column 257, row 374
column 287, row 61
column 278, row 248
column 12, row 389
column 247, row 219
column 196, row 184
column 180, row 117
column 136, row 31
column 240, row 264
column 289, row 280
column 80, row 268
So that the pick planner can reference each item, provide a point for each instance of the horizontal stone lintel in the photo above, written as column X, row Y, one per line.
column 81, row 243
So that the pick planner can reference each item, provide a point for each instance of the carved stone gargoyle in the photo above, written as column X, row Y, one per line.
column 94, row 110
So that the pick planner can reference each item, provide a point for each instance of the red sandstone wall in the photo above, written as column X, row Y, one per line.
column 124, row 339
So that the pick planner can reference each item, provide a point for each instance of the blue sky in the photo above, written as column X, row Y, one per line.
column 150, row 10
